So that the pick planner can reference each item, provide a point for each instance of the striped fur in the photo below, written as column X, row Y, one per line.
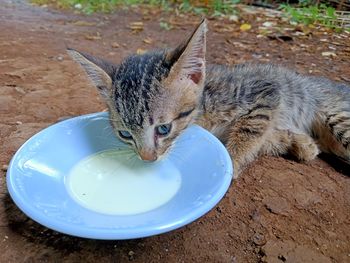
column 253, row 109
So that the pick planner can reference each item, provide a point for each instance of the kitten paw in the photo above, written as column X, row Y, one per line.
column 304, row 147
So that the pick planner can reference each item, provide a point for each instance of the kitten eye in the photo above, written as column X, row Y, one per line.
column 125, row 135
column 185, row 113
column 164, row 129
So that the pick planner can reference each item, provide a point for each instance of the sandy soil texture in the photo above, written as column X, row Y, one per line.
column 277, row 211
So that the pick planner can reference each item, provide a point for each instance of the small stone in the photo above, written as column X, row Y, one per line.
column 20, row 90
column 259, row 239
column 233, row 18
column 267, row 24
column 277, row 205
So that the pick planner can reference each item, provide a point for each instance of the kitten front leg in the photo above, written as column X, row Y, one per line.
column 245, row 139
column 300, row 145
column 272, row 142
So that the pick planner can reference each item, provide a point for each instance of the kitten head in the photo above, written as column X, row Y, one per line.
column 152, row 97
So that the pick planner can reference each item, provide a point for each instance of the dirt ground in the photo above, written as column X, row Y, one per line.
column 277, row 211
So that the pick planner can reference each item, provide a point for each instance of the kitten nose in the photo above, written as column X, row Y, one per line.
column 148, row 156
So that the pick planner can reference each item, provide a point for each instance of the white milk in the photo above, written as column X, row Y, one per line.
column 117, row 182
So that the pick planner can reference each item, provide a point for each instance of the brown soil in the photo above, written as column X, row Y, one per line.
column 277, row 211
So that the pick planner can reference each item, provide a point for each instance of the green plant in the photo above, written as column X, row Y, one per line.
column 165, row 25
column 211, row 7
column 314, row 14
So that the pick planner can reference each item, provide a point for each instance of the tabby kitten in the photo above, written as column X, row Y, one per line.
column 253, row 109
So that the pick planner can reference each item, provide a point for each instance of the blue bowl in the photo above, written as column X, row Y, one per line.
column 37, row 173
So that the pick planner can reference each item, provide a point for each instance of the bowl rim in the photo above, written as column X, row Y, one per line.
column 118, row 233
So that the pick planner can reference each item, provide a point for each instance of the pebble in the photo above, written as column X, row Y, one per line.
column 131, row 255
column 259, row 239
column 20, row 90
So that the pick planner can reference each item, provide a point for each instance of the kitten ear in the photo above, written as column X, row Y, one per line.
column 99, row 71
column 188, row 59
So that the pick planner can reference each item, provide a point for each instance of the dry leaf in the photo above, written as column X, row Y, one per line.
column 329, row 54
column 245, row 27
column 147, row 17
column 115, row 45
column 83, row 23
column 93, row 37
column 223, row 28
column 136, row 26
column 141, row 51
column 148, row 40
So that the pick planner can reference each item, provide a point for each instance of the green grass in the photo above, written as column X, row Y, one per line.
column 305, row 12
column 313, row 15
column 88, row 6
column 211, row 7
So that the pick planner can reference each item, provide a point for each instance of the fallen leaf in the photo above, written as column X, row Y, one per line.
column 136, row 26
column 147, row 17
column 224, row 28
column 245, row 27
column 148, row 40
column 93, row 37
column 141, row 51
column 115, row 45
column 83, row 23
column 268, row 24
column 329, row 54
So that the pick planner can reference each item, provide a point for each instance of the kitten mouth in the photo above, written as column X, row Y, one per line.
column 148, row 156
